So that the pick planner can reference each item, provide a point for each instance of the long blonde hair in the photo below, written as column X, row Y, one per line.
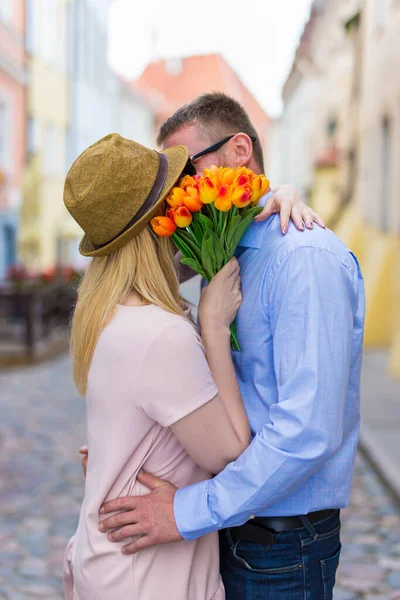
column 145, row 265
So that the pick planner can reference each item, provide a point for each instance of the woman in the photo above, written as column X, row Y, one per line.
column 153, row 401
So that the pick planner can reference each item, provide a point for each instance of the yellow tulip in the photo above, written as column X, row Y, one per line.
column 223, row 201
column 207, row 190
column 260, row 186
column 182, row 216
column 241, row 196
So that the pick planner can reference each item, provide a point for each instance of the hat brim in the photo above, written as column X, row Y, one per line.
column 177, row 157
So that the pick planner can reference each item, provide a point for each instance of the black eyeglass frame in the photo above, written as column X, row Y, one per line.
column 190, row 169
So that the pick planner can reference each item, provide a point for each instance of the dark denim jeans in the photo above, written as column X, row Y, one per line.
column 300, row 565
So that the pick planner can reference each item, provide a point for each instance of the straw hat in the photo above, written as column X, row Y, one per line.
column 115, row 187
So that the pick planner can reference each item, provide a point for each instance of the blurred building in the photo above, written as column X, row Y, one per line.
column 92, row 98
column 12, row 126
column 170, row 83
column 74, row 99
column 338, row 141
column 48, row 121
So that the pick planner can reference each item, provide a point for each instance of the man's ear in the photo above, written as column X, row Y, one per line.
column 240, row 150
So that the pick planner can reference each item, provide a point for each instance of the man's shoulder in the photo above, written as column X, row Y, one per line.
column 280, row 246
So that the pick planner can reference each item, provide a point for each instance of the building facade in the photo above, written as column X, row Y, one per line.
column 12, row 126
column 343, row 77
column 48, row 119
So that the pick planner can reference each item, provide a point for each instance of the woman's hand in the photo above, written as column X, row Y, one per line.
column 221, row 298
column 288, row 203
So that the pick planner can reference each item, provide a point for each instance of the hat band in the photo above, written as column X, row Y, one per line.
column 149, row 202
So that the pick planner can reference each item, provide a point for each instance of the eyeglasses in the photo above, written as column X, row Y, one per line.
column 190, row 168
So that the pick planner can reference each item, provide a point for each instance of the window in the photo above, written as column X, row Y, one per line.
column 31, row 26
column 173, row 66
column 386, row 173
column 331, row 128
column 6, row 11
column 10, row 245
column 49, row 37
column 382, row 12
column 5, row 133
column 32, row 136
column 49, row 150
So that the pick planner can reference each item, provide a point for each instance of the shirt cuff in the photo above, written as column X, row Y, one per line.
column 191, row 511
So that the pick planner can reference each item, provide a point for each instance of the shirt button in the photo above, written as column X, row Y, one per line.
column 252, row 517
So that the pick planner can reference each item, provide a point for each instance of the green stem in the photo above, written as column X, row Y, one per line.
column 235, row 346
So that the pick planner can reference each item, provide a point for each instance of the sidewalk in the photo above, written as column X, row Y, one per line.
column 380, row 418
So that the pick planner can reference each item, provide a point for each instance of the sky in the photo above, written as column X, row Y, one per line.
column 257, row 37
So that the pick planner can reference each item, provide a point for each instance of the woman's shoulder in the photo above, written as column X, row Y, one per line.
column 153, row 322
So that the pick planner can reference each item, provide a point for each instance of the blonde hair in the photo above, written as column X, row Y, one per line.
column 145, row 265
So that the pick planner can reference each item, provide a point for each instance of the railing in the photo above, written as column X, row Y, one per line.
column 34, row 320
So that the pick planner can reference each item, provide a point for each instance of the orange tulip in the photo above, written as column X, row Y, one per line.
column 182, row 216
column 187, row 181
column 207, row 190
column 176, row 197
column 260, row 185
column 242, row 195
column 192, row 200
column 223, row 202
column 163, row 226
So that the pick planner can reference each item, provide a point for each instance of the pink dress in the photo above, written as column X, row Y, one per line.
column 148, row 371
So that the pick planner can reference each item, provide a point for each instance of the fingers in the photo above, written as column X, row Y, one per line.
column 125, row 532
column 126, row 503
column 83, row 450
column 284, row 219
column 297, row 217
column 124, row 518
column 149, row 480
column 140, row 544
column 308, row 217
column 317, row 219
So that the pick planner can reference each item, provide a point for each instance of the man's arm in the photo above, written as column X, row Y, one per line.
column 311, row 302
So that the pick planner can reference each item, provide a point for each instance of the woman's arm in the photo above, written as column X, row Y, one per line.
column 218, row 432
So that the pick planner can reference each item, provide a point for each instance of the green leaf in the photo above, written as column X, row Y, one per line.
column 219, row 252
column 240, row 230
column 194, row 265
column 191, row 242
column 197, row 231
column 233, row 224
column 183, row 247
column 206, row 257
column 205, row 221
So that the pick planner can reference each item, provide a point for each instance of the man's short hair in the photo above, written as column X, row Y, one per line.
column 218, row 115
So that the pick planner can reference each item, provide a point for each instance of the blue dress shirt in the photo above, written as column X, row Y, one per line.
column 300, row 328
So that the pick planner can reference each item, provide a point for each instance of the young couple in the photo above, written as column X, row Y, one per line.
column 277, row 424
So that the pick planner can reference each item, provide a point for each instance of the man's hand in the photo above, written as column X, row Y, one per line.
column 84, row 450
column 287, row 201
column 150, row 516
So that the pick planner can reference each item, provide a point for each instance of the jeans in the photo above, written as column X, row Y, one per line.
column 301, row 564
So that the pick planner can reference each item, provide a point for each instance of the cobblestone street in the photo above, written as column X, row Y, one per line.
column 42, row 425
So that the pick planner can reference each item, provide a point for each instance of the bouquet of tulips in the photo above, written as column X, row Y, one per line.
column 208, row 215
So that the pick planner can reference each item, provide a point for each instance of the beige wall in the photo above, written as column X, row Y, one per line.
column 380, row 99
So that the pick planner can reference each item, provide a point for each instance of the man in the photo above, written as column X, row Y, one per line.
column 301, row 329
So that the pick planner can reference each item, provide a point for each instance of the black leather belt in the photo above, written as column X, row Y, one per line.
column 260, row 530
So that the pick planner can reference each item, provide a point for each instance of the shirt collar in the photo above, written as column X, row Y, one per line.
column 253, row 236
